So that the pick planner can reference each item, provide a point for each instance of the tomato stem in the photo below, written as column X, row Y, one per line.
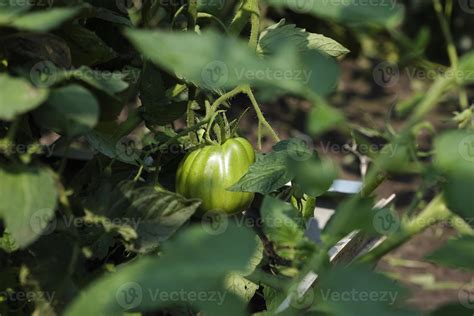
column 435, row 212
column 451, row 48
column 261, row 119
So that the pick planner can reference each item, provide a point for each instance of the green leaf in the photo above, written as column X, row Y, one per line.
column 268, row 173
column 290, row 160
column 282, row 225
column 10, row 9
column 17, row 96
column 27, row 201
column 159, row 109
column 153, row 215
column 454, row 152
column 356, row 290
column 323, row 118
column 313, row 176
column 466, row 67
column 86, row 47
column 452, row 309
column 456, row 253
column 45, row 20
column 276, row 35
column 110, row 83
column 196, row 262
column 378, row 12
column 218, row 62
column 7, row 243
column 353, row 214
column 70, row 110
column 123, row 149
column 454, row 156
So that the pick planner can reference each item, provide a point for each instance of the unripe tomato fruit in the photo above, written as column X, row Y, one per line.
column 207, row 172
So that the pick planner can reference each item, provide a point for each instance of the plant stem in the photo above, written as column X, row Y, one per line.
column 201, row 15
column 261, row 119
column 452, row 53
column 226, row 96
column 242, row 16
column 435, row 212
column 255, row 25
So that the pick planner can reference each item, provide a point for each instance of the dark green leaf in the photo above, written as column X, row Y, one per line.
column 356, row 290
column 456, row 253
column 153, row 215
column 454, row 156
column 194, row 262
column 278, row 34
column 45, row 20
column 219, row 62
column 353, row 214
column 17, row 96
column 452, row 309
column 70, row 110
column 86, row 47
column 159, row 109
column 27, row 201
column 379, row 12
column 282, row 225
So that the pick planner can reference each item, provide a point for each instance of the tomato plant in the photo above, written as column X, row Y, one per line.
column 118, row 124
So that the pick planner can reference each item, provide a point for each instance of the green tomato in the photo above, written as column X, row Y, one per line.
column 208, row 171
